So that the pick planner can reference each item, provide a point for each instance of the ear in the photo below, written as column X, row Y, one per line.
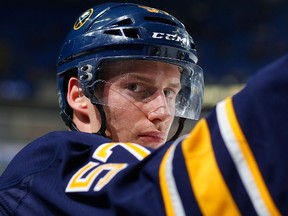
column 85, row 115
column 77, row 101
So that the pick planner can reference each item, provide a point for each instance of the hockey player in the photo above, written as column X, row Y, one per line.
column 126, row 70
column 232, row 163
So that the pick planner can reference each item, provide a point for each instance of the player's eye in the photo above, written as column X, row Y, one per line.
column 134, row 87
column 171, row 92
column 168, row 93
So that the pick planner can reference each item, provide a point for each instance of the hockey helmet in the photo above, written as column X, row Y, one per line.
column 127, row 31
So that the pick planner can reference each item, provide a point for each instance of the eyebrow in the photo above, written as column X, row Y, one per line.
column 152, row 81
column 136, row 76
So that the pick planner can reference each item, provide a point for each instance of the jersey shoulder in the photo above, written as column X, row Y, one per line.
column 45, row 151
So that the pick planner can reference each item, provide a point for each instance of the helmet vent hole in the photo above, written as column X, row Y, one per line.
column 113, row 32
column 123, row 22
column 131, row 33
column 160, row 20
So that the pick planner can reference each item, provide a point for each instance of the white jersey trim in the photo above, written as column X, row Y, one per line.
column 241, row 164
column 171, row 183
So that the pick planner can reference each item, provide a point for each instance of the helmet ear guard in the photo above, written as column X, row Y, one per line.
column 129, row 31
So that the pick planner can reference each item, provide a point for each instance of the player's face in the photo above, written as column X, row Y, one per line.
column 139, row 101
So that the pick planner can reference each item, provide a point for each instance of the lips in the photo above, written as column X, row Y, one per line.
column 153, row 138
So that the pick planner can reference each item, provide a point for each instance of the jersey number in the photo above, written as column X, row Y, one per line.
column 83, row 179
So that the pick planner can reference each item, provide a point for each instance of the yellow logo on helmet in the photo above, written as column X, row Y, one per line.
column 83, row 19
column 153, row 10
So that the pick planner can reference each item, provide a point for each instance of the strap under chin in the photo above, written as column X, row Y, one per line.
column 181, row 122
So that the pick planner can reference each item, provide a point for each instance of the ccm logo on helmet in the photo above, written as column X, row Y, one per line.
column 171, row 37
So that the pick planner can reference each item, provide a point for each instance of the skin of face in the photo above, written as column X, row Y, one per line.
column 139, row 101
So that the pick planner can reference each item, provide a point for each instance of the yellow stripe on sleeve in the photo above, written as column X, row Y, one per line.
column 210, row 189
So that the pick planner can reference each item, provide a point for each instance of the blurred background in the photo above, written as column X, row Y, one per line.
column 233, row 38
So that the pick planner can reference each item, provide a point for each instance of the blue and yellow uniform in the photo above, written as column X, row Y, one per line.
column 234, row 162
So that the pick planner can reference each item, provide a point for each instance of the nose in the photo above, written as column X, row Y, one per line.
column 157, row 108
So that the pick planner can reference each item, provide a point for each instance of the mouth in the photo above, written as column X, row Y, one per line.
column 153, row 138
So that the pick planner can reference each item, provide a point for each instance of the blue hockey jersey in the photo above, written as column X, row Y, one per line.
column 234, row 162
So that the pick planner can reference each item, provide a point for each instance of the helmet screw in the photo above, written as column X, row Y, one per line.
column 84, row 76
column 155, row 51
column 85, row 68
column 181, row 55
column 87, row 72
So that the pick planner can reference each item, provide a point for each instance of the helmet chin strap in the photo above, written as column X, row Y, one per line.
column 96, row 103
column 181, row 122
column 68, row 121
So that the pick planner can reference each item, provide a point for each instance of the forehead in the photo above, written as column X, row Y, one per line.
column 139, row 67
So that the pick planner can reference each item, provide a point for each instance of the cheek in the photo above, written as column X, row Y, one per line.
column 114, row 97
column 121, row 120
column 123, row 117
column 122, row 124
column 169, row 123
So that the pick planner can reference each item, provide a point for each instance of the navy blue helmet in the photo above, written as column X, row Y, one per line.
column 128, row 31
